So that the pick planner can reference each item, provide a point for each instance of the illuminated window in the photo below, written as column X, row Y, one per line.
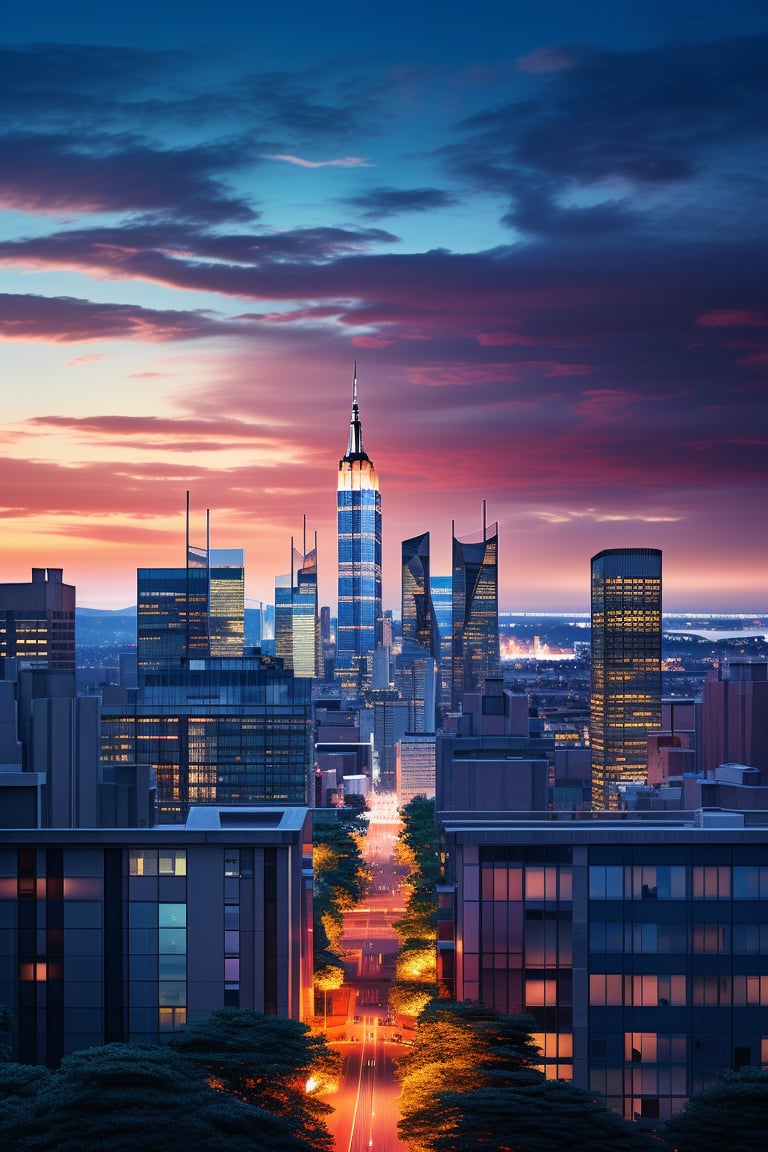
column 711, row 883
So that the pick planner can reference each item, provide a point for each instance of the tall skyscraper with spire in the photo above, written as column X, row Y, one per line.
column 358, row 505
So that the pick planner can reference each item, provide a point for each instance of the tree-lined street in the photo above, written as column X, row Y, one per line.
column 359, row 1025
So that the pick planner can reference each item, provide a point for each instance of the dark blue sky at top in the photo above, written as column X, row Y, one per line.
column 541, row 228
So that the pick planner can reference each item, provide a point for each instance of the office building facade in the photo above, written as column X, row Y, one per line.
column 297, row 623
column 359, row 625
column 127, row 935
column 37, row 621
column 415, row 767
column 475, row 602
column 637, row 946
column 226, row 602
column 216, row 731
column 192, row 612
column 625, row 697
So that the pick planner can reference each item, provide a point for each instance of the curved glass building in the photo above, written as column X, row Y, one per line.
column 475, row 611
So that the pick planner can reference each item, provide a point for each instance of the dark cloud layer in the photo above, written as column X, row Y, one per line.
column 660, row 117
column 381, row 202
column 606, row 362
column 66, row 320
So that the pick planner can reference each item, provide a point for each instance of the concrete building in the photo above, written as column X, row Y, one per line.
column 50, row 776
column 489, row 758
column 37, row 621
column 125, row 935
column 735, row 717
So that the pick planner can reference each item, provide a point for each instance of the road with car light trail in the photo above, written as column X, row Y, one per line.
column 368, row 1039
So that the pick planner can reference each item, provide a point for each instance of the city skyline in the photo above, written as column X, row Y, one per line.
column 544, row 249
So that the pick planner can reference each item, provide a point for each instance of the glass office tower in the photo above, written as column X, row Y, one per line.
column 359, row 550
column 418, row 616
column 442, row 606
column 216, row 731
column 626, row 668
column 297, row 626
column 475, row 611
column 226, row 611
column 197, row 611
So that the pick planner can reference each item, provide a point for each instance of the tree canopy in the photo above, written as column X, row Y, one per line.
column 131, row 1098
column 730, row 1116
column 458, row 1047
column 470, row 1083
column 416, row 963
column 266, row 1062
column 538, row 1116
column 341, row 881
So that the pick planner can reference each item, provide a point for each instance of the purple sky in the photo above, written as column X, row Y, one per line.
column 543, row 240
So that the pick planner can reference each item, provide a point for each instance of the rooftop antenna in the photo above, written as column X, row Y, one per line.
column 485, row 503
column 355, row 447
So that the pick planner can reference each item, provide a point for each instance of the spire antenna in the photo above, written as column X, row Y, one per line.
column 355, row 446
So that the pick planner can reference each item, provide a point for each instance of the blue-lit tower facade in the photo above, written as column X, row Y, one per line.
column 358, row 505
column 475, row 610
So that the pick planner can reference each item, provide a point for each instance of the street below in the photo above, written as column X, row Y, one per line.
column 357, row 1020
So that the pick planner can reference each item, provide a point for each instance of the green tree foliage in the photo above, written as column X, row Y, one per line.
column 459, row 1047
column 419, row 921
column 730, row 1116
column 341, row 880
column 410, row 996
column 265, row 1062
column 133, row 1098
column 415, row 965
column 470, row 1083
column 419, row 835
column 540, row 1116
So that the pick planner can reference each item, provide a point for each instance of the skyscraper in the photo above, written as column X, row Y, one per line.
column 359, row 550
column 226, row 601
column 442, row 606
column 475, row 610
column 297, row 630
column 191, row 612
column 626, row 667
column 419, row 622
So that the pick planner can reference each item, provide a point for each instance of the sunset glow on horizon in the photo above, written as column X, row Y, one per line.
column 545, row 251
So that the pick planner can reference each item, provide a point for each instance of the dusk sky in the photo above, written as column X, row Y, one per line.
column 540, row 229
